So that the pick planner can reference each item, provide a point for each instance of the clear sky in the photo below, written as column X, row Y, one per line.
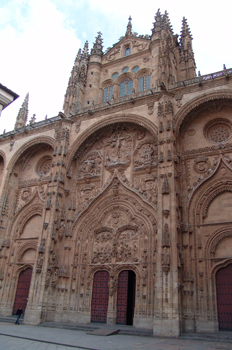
column 40, row 39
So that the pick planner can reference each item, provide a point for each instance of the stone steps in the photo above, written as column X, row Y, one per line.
column 90, row 327
column 220, row 336
column 10, row 319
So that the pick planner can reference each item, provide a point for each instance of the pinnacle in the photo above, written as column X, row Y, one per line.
column 85, row 52
column 161, row 22
column 185, row 31
column 129, row 26
column 25, row 102
column 22, row 114
column 97, row 46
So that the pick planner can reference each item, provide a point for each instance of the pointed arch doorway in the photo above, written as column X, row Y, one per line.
column 224, row 298
column 22, row 291
column 126, row 297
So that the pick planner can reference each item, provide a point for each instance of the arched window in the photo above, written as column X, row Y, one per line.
column 126, row 88
column 107, row 94
column 127, row 51
column 144, row 83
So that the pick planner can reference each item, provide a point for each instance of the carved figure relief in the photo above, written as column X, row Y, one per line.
column 145, row 155
column 118, row 151
column 110, row 149
column 90, row 165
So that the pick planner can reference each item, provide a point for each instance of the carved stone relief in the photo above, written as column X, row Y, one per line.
column 127, row 148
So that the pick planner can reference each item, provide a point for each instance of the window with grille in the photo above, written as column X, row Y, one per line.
column 107, row 94
column 126, row 88
column 144, row 83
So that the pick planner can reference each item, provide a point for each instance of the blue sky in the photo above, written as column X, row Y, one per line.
column 40, row 39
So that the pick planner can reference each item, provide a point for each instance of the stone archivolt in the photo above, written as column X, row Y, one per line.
column 129, row 150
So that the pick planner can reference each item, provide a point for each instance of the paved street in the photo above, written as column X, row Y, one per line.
column 40, row 338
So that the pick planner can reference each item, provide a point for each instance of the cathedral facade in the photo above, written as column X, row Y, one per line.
column 118, row 209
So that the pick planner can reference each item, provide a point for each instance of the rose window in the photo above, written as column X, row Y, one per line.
column 218, row 130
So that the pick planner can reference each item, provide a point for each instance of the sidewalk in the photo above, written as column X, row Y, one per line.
column 53, row 338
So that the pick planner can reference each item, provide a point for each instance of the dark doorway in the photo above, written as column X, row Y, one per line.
column 100, row 297
column 126, row 297
column 224, row 298
column 22, row 291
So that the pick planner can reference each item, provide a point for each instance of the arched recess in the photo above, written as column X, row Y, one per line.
column 23, row 216
column 208, row 190
column 189, row 108
column 121, row 119
column 116, row 232
column 28, row 246
column 35, row 141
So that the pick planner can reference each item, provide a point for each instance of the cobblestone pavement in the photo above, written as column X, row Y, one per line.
column 39, row 338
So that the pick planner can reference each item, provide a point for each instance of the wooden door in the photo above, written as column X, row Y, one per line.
column 224, row 297
column 122, row 297
column 22, row 291
column 100, row 297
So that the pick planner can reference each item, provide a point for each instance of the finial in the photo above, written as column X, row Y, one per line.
column 97, row 46
column 185, row 31
column 23, row 114
column 158, row 22
column 33, row 118
column 129, row 26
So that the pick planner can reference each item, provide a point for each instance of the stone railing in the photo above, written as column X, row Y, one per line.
column 94, row 107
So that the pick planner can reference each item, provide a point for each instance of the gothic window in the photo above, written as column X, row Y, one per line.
column 127, row 51
column 126, row 88
column 107, row 94
column 144, row 83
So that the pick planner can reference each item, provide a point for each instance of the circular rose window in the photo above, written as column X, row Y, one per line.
column 44, row 165
column 218, row 130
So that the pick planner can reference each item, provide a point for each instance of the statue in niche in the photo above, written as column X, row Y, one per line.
column 112, row 285
column 165, row 258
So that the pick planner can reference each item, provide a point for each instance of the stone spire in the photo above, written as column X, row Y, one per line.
column 185, row 34
column 166, row 22
column 129, row 26
column 23, row 114
column 186, row 52
column 97, row 46
column 157, row 25
column 85, row 52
